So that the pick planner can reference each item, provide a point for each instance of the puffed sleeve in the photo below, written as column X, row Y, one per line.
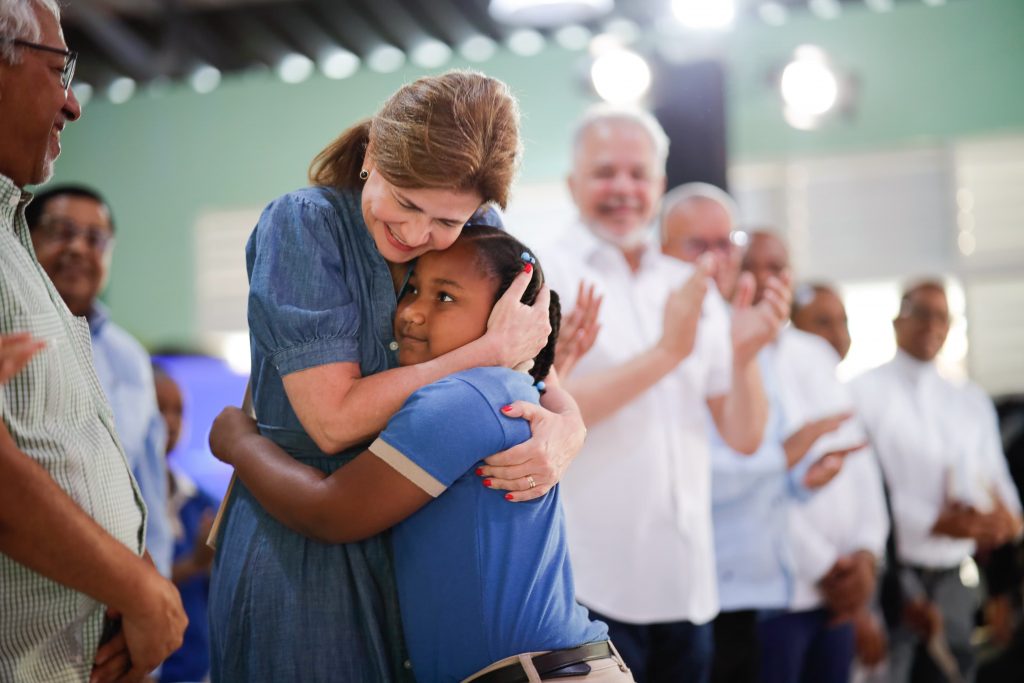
column 442, row 431
column 302, row 313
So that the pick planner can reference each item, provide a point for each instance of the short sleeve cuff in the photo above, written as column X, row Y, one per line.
column 316, row 353
column 407, row 468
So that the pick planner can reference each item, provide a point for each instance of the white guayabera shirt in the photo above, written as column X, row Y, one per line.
column 936, row 441
column 847, row 514
column 637, row 499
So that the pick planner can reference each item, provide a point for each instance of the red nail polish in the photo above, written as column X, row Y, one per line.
column 508, row 496
column 528, row 268
column 505, row 409
column 479, row 471
column 487, row 483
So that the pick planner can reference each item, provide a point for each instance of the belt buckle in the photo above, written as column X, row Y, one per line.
column 567, row 671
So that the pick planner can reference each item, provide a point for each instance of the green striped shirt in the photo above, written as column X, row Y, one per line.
column 58, row 416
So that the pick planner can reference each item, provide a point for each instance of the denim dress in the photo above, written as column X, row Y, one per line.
column 284, row 607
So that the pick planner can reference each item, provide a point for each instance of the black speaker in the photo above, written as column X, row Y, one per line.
column 689, row 102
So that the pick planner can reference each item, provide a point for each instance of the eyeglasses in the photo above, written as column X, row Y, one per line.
column 70, row 59
column 698, row 246
column 64, row 231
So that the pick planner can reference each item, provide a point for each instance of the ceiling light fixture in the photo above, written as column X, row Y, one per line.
column 83, row 92
column 431, row 53
column 547, row 13
column 295, row 68
column 385, row 59
column 809, row 87
column 620, row 76
column 478, row 48
column 573, row 37
column 338, row 63
column 205, row 79
column 121, row 90
column 526, row 42
column 705, row 14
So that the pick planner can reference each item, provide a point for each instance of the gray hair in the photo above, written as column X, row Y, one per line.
column 696, row 192
column 18, row 20
column 609, row 113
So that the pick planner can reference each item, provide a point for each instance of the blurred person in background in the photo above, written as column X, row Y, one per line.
column 191, row 512
column 950, row 491
column 72, row 231
column 698, row 219
column 663, row 365
column 78, row 599
column 752, row 496
column 838, row 536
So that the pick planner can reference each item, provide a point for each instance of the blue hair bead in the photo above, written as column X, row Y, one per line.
column 540, row 386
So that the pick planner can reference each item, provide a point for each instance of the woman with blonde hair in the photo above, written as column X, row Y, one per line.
column 325, row 264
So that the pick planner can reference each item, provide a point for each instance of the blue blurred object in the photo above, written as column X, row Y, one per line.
column 207, row 386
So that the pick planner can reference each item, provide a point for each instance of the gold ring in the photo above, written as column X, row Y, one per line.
column 532, row 482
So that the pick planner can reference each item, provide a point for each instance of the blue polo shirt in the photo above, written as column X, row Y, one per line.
column 479, row 578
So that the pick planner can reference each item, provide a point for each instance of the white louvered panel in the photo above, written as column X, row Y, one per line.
column 996, row 333
column 221, row 282
column 858, row 216
column 990, row 175
column 878, row 215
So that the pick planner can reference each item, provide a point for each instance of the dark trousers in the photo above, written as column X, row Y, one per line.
column 673, row 652
column 802, row 647
column 737, row 654
column 908, row 658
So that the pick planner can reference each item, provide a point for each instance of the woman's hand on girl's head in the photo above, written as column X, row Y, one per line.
column 532, row 468
column 518, row 332
column 229, row 429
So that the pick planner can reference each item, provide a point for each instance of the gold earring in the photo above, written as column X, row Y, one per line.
column 364, row 174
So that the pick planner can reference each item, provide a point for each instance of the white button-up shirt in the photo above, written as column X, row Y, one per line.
column 936, row 441
column 847, row 514
column 637, row 499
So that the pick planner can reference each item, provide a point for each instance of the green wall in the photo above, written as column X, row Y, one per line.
column 926, row 74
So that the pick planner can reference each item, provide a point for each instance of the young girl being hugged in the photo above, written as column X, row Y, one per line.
column 324, row 264
column 485, row 587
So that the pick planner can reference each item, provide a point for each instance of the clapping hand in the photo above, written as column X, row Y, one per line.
column 682, row 312
column 754, row 325
column 578, row 331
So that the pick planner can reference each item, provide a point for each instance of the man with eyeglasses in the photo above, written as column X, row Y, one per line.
column 950, row 490
column 73, row 234
column 71, row 517
column 697, row 219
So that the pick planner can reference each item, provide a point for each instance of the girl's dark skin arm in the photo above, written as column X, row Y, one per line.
column 355, row 502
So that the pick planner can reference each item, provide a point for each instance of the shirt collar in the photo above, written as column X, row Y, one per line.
column 592, row 248
column 12, row 197
column 97, row 318
column 913, row 369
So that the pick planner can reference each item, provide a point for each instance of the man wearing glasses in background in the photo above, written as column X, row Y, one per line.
column 71, row 518
column 72, row 231
column 949, row 488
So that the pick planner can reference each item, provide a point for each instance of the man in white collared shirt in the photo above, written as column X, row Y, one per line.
column 638, row 501
column 839, row 535
column 949, row 487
